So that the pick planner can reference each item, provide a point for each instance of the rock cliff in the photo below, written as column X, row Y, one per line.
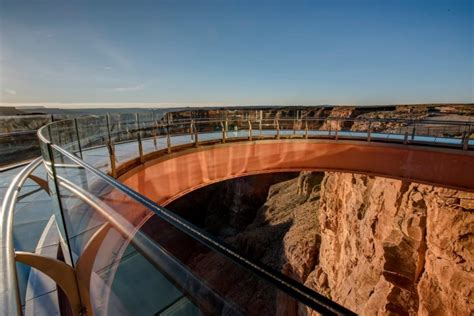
column 389, row 246
column 375, row 245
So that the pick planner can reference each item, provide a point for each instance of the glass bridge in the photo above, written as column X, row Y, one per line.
column 74, row 240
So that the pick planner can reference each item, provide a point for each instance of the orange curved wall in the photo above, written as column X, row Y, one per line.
column 170, row 176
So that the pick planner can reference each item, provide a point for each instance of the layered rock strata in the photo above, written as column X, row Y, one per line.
column 375, row 245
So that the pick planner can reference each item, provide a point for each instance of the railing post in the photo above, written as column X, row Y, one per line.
column 464, row 140
column 191, row 130
column 337, row 134
column 78, row 138
column 155, row 128
column 196, row 135
column 277, row 128
column 260, row 125
column 294, row 126
column 139, row 138
column 250, row 130
column 223, row 132
column 107, row 119
column 369, row 132
column 306, row 129
column 468, row 137
column 413, row 132
column 111, row 149
column 168, row 140
column 226, row 127
column 405, row 139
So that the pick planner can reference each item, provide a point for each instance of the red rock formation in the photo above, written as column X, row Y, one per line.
column 375, row 245
column 394, row 247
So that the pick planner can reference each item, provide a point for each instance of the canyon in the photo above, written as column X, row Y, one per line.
column 376, row 246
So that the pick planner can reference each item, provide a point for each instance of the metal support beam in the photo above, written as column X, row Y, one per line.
column 41, row 182
column 60, row 272
column 85, row 263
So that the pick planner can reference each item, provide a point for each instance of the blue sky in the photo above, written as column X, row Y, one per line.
column 236, row 52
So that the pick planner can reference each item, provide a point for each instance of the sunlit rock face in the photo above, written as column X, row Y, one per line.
column 390, row 247
column 375, row 245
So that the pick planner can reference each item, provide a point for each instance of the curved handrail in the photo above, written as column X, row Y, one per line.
column 9, row 291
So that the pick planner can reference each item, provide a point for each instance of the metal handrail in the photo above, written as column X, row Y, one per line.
column 9, row 290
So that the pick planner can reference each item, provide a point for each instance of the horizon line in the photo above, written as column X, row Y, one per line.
column 79, row 105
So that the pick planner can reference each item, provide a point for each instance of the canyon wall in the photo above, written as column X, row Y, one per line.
column 386, row 246
column 375, row 245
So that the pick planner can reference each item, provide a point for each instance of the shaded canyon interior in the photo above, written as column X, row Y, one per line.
column 372, row 244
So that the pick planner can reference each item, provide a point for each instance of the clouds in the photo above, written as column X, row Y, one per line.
column 10, row 91
column 130, row 88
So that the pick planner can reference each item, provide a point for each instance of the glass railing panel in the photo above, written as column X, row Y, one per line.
column 93, row 139
column 237, row 128
column 18, row 146
column 124, row 133
column 267, row 128
column 175, row 264
column 148, row 131
column 66, row 135
column 209, row 130
column 92, row 131
column 180, row 133
column 316, row 127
